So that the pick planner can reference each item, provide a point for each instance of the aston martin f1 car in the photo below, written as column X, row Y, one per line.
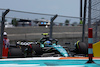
column 50, row 47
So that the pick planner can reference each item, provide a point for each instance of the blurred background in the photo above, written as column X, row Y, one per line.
column 27, row 25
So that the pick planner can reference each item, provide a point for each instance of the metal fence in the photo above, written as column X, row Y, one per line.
column 95, row 16
column 34, row 16
column 64, row 32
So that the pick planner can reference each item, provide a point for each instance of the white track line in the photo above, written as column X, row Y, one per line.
column 41, row 58
column 34, row 58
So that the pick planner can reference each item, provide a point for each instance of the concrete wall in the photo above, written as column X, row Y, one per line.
column 63, row 34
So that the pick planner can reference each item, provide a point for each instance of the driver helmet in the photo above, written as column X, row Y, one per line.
column 47, row 42
column 5, row 34
column 76, row 44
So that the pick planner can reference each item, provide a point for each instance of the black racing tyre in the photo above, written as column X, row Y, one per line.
column 83, row 48
column 15, row 52
column 37, row 49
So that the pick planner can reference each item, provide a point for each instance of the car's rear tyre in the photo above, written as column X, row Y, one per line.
column 15, row 52
column 83, row 48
